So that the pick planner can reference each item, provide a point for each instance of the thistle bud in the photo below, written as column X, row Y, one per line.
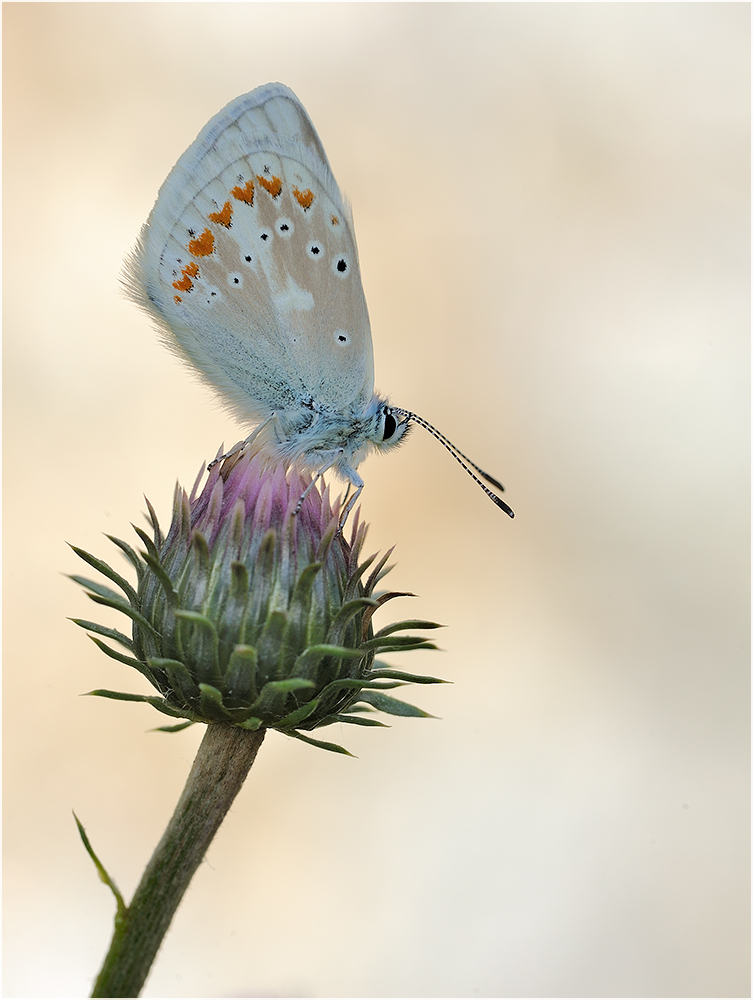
column 254, row 610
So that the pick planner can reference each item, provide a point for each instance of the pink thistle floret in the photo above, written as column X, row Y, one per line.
column 268, row 496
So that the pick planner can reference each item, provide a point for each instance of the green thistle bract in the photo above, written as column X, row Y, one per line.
column 251, row 614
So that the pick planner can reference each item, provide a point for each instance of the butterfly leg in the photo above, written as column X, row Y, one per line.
column 318, row 475
column 347, row 494
column 349, row 504
column 353, row 480
column 349, row 507
column 241, row 444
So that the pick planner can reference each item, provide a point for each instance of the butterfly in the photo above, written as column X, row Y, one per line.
column 248, row 266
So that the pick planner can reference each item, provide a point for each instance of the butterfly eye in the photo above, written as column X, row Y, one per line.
column 390, row 426
column 341, row 265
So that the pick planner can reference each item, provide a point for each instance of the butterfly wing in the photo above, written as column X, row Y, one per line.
column 248, row 264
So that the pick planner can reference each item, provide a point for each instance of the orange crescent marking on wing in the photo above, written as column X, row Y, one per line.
column 245, row 194
column 224, row 217
column 304, row 198
column 185, row 284
column 203, row 245
column 274, row 187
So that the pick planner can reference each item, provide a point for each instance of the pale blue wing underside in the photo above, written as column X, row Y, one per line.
column 248, row 263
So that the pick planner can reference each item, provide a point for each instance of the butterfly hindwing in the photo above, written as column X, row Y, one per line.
column 249, row 263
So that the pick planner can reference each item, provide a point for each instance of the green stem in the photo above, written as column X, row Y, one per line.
column 219, row 770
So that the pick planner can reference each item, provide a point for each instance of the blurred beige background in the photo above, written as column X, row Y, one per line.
column 551, row 203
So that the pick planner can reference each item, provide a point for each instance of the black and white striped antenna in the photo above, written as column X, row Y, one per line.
column 458, row 455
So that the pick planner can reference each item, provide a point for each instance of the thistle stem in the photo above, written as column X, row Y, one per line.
column 222, row 762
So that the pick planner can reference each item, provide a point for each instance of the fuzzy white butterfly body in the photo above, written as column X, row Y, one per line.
column 248, row 264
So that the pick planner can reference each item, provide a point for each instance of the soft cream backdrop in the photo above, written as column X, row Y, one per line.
column 551, row 205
